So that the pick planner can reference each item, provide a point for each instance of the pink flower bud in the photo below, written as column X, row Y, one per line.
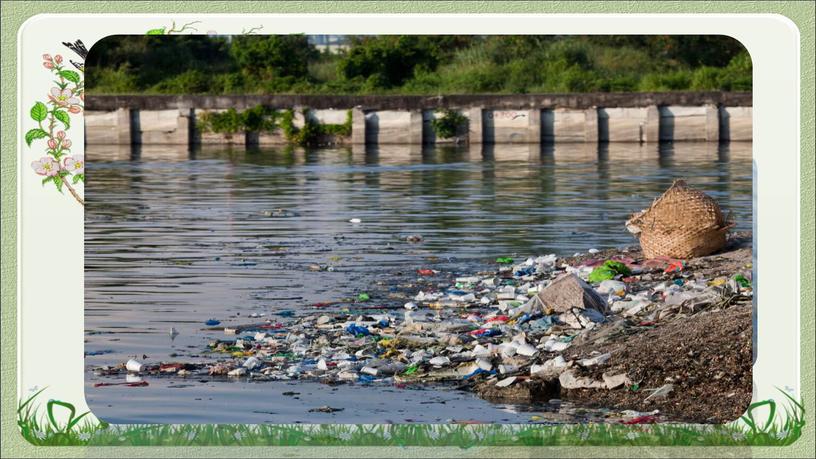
column 75, row 109
column 52, row 144
column 46, row 57
column 58, row 59
column 66, row 143
column 60, row 135
column 48, row 65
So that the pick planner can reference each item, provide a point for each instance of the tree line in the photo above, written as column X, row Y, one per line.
column 415, row 64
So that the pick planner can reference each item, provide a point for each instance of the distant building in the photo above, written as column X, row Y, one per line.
column 329, row 43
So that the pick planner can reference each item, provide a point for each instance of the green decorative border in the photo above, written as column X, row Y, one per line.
column 447, row 441
column 762, row 425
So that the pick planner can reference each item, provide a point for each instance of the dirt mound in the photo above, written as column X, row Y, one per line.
column 706, row 358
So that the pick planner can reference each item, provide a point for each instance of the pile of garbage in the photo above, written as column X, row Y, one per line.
column 503, row 334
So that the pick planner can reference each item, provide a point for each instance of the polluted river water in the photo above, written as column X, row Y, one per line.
column 176, row 238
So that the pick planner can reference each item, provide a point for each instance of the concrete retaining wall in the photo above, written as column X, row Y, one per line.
column 148, row 120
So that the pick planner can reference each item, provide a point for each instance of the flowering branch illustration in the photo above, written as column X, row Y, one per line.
column 53, row 118
column 173, row 29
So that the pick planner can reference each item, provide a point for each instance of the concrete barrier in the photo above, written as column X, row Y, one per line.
column 736, row 123
column 511, row 126
column 622, row 124
column 392, row 126
column 108, row 128
column 679, row 123
column 164, row 120
column 161, row 127
column 567, row 125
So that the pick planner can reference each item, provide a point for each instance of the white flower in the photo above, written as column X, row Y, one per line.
column 307, row 438
column 39, row 434
column 238, row 436
column 345, row 436
column 84, row 436
column 632, row 435
column 386, row 434
column 433, row 434
column 738, row 436
column 191, row 435
column 781, row 434
column 122, row 438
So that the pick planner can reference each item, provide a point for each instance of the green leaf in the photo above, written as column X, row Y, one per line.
column 156, row 31
column 39, row 111
column 62, row 115
column 58, row 183
column 77, row 178
column 70, row 75
column 47, row 179
column 34, row 134
column 50, row 407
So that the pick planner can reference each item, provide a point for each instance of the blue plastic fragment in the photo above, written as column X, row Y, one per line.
column 212, row 322
column 479, row 371
column 366, row 378
column 542, row 324
column 355, row 329
column 526, row 271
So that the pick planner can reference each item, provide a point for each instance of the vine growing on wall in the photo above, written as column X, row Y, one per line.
column 53, row 117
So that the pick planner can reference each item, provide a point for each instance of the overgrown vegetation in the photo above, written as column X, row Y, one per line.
column 261, row 118
column 449, row 124
column 395, row 64
column 256, row 119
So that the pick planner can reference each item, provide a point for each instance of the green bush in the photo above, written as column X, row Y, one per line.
column 449, row 124
column 255, row 119
column 312, row 131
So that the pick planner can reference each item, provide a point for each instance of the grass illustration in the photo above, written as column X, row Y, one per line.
column 779, row 427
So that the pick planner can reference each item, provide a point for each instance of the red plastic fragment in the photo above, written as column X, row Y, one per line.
column 648, row 419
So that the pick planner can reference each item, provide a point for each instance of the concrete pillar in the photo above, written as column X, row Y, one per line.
column 712, row 123
column 651, row 130
column 358, row 126
column 475, row 129
column 534, row 127
column 591, row 125
column 415, row 127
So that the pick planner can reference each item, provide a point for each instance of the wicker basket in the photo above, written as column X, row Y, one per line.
column 682, row 223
